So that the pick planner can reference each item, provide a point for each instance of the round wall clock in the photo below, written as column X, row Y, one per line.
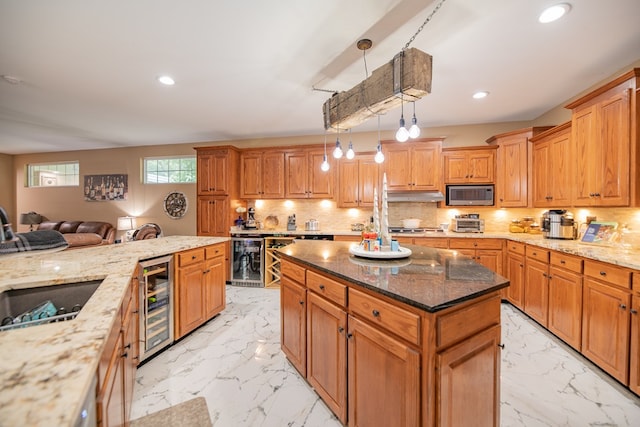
column 175, row 204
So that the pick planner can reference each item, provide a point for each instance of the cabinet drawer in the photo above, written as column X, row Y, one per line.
column 330, row 289
column 608, row 273
column 214, row 251
column 466, row 243
column 568, row 262
column 293, row 271
column 515, row 247
column 537, row 253
column 190, row 257
column 432, row 242
column 390, row 317
column 454, row 326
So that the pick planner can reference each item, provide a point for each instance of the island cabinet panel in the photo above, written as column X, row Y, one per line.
column 327, row 353
column 605, row 327
column 516, row 273
column 293, row 319
column 384, row 378
column 472, row 365
column 634, row 363
column 330, row 289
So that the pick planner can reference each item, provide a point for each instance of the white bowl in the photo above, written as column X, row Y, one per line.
column 411, row 223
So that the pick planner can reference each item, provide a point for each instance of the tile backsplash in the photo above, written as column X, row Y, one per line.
column 331, row 217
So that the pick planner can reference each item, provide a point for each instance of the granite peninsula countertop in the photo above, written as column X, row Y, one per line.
column 430, row 279
column 46, row 370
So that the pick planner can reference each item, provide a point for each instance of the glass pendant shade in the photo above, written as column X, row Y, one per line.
column 402, row 135
column 350, row 153
column 379, row 157
column 414, row 130
column 337, row 152
column 325, row 164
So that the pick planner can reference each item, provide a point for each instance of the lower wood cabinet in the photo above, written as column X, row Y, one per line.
column 634, row 355
column 384, row 378
column 516, row 274
column 293, row 322
column 200, row 287
column 487, row 252
column 472, row 365
column 565, row 299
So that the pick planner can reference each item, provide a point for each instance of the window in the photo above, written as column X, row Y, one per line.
column 169, row 170
column 53, row 174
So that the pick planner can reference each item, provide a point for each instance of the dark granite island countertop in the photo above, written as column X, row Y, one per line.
column 430, row 279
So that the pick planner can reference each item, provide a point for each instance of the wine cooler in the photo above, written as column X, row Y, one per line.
column 156, row 305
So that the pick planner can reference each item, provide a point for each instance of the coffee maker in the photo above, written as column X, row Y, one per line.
column 250, row 223
column 558, row 224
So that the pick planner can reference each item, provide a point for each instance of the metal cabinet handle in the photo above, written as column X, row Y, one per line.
column 349, row 336
column 562, row 261
column 301, row 302
column 375, row 313
column 193, row 257
column 603, row 273
column 623, row 306
column 501, row 346
column 340, row 329
column 633, row 311
column 321, row 287
column 124, row 356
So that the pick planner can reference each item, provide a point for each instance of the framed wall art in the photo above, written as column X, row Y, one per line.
column 102, row 188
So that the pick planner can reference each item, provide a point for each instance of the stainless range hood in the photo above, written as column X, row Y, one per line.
column 415, row 196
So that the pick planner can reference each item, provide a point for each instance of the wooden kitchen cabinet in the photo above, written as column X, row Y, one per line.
column 430, row 242
column 552, row 173
column 487, row 252
column 515, row 273
column 413, row 166
column 384, row 378
column 357, row 178
column 565, row 298
column 293, row 321
column 262, row 174
column 512, row 166
column 605, row 144
column 200, row 287
column 303, row 177
column 218, row 187
column 470, row 165
column 536, row 291
column 634, row 354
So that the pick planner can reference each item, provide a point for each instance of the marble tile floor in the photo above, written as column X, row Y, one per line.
column 235, row 363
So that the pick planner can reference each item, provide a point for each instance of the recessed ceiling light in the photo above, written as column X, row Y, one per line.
column 553, row 13
column 11, row 79
column 166, row 80
column 480, row 94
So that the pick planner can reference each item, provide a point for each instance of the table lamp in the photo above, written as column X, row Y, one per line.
column 126, row 224
column 30, row 218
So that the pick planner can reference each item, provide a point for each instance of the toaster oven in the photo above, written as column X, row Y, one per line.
column 468, row 225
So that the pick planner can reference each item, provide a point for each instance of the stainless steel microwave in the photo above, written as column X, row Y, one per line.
column 470, row 195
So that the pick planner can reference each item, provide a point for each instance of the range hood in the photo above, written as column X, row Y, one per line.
column 415, row 196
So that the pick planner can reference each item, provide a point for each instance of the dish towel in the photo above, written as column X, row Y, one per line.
column 34, row 241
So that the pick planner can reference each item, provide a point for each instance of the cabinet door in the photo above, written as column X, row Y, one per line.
column 293, row 300
column 190, row 294
column 536, row 293
column 605, row 327
column 349, row 186
column 586, row 156
column 368, row 180
column 469, row 382
column 212, row 216
column 205, row 174
column 634, row 364
column 455, row 167
column 512, row 176
column 397, row 166
column 384, row 379
column 327, row 353
column 613, row 171
column 481, row 166
column 490, row 258
column 516, row 275
column 214, row 286
column 296, row 167
column 541, row 160
column 425, row 167
column 320, row 183
column 220, row 172
column 251, row 176
column 565, row 306
column 272, row 175
column 559, row 173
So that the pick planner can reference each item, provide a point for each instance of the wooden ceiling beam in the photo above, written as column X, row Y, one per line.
column 380, row 92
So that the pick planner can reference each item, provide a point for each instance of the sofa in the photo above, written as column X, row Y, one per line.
column 82, row 234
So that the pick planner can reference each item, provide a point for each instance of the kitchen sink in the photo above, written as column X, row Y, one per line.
column 38, row 305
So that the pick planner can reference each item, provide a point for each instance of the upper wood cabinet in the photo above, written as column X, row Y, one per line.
column 413, row 166
column 262, row 175
column 513, row 166
column 469, row 165
column 605, row 144
column 217, row 170
column 303, row 177
column 551, row 177
column 357, row 179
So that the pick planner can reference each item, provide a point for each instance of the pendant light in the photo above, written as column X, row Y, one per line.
column 350, row 153
column 402, row 135
column 324, row 166
column 414, row 130
column 337, row 152
column 379, row 157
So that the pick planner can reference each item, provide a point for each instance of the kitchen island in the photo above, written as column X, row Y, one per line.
column 405, row 342
column 46, row 371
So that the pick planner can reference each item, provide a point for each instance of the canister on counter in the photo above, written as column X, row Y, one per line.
column 395, row 247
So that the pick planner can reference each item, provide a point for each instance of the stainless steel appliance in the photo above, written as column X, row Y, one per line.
column 558, row 224
column 469, row 195
column 250, row 223
column 156, row 305
column 468, row 225
column 247, row 260
column 312, row 225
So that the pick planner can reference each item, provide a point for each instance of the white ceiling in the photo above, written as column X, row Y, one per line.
column 245, row 69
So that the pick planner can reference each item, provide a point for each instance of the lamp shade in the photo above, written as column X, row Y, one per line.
column 30, row 218
column 126, row 223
